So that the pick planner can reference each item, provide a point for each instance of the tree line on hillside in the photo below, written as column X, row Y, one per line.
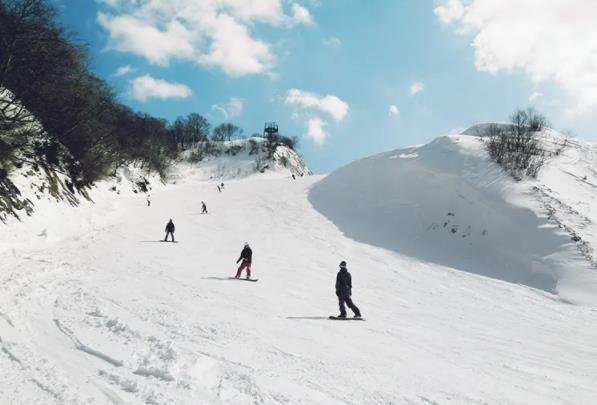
column 195, row 129
column 82, row 125
column 70, row 118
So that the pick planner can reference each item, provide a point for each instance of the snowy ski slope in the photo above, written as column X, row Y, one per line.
column 93, row 309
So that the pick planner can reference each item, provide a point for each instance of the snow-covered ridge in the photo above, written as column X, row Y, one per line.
column 447, row 203
column 240, row 158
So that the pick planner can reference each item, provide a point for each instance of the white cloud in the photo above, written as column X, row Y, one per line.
column 552, row 40
column 329, row 104
column 450, row 11
column 232, row 108
column 214, row 33
column 393, row 111
column 146, row 87
column 535, row 96
column 300, row 15
column 124, row 70
column 416, row 88
column 332, row 41
column 235, row 51
column 141, row 38
column 316, row 131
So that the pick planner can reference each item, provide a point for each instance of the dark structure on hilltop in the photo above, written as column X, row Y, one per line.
column 270, row 130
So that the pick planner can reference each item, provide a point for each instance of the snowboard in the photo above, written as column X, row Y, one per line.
column 244, row 279
column 337, row 318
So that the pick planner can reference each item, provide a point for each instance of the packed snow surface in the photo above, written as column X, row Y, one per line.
column 94, row 309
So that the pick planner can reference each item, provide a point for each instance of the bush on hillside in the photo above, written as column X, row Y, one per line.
column 517, row 147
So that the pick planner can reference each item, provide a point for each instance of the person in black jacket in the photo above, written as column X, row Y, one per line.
column 169, row 230
column 203, row 208
column 246, row 256
column 344, row 291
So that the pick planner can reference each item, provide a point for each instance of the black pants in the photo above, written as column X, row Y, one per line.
column 204, row 210
column 169, row 233
column 351, row 305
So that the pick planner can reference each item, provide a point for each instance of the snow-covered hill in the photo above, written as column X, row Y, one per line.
column 447, row 203
column 98, row 311
column 241, row 158
column 26, row 175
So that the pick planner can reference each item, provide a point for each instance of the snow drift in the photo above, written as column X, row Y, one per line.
column 446, row 203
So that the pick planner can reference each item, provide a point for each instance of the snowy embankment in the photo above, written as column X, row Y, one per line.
column 109, row 315
column 241, row 158
column 446, row 203
column 55, row 219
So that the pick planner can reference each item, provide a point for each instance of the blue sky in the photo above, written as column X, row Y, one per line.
column 349, row 77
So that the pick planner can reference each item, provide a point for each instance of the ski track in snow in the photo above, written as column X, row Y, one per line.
column 102, row 317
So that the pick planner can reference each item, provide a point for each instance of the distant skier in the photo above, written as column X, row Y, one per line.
column 203, row 208
column 246, row 256
column 222, row 185
column 148, row 200
column 169, row 230
column 293, row 177
column 344, row 291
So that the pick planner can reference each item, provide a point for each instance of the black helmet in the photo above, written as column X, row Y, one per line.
column 342, row 263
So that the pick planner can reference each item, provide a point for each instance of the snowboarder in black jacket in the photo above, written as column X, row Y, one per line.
column 169, row 230
column 246, row 256
column 203, row 208
column 344, row 291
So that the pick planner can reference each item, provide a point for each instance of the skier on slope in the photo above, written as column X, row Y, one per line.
column 148, row 200
column 203, row 208
column 344, row 291
column 246, row 256
column 169, row 230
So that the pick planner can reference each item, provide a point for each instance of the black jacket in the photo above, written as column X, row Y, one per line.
column 343, row 283
column 170, row 227
column 246, row 255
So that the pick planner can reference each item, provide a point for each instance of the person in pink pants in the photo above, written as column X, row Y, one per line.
column 246, row 256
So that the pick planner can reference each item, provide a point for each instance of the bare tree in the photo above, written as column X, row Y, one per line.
column 197, row 128
column 517, row 147
column 225, row 132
